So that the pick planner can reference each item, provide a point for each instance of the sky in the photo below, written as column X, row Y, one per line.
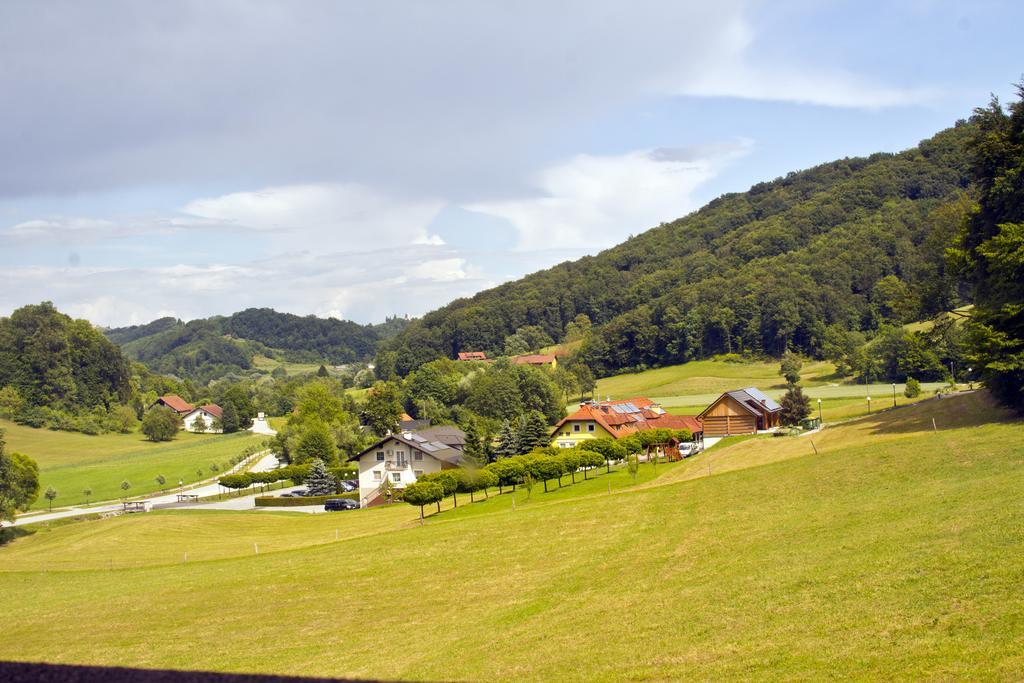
column 362, row 160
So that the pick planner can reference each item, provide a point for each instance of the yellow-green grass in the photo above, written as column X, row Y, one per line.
column 71, row 462
column 706, row 377
column 270, row 364
column 164, row 537
column 895, row 554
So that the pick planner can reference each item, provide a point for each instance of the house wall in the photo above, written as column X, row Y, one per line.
column 372, row 471
column 727, row 417
column 189, row 421
column 568, row 436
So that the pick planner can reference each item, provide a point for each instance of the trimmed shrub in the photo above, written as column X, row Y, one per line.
column 278, row 502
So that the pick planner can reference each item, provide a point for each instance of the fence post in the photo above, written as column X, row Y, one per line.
column 934, row 427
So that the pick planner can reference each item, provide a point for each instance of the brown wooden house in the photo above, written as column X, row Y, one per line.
column 743, row 411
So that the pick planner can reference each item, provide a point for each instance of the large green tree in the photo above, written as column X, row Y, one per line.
column 990, row 252
column 19, row 482
column 382, row 411
column 160, row 424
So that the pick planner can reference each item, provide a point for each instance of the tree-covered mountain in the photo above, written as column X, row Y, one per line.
column 48, row 359
column 214, row 347
column 854, row 244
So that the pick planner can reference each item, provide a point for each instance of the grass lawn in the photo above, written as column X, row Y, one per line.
column 895, row 553
column 70, row 462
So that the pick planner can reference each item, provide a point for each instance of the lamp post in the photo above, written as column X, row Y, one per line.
column 894, row 394
column 819, row 411
column 869, row 405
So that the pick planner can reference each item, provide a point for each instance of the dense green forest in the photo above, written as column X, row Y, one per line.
column 211, row 348
column 856, row 245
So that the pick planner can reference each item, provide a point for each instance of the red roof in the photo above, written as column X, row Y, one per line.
column 176, row 403
column 534, row 359
column 619, row 423
column 472, row 355
column 214, row 409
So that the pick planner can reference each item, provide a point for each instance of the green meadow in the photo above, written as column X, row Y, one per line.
column 71, row 462
column 895, row 552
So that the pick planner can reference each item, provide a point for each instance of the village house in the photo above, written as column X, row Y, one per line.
column 742, row 411
column 403, row 458
column 175, row 403
column 537, row 360
column 472, row 355
column 209, row 415
column 618, row 419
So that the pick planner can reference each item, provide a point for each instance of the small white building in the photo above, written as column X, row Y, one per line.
column 207, row 414
column 402, row 459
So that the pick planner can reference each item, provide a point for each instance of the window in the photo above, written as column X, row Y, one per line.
column 396, row 477
column 590, row 427
column 417, row 456
column 380, row 456
column 576, row 428
column 376, row 475
column 418, row 473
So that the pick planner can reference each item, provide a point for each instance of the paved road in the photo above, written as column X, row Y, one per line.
column 265, row 463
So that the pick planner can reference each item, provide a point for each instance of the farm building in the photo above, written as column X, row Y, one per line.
column 742, row 411
column 537, row 359
column 472, row 355
column 616, row 419
column 175, row 403
column 209, row 415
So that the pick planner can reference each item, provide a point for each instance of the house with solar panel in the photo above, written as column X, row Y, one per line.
column 617, row 419
column 741, row 411
column 404, row 457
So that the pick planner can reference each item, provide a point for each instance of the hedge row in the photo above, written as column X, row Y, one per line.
column 278, row 502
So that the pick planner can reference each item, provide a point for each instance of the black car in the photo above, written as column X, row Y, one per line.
column 333, row 504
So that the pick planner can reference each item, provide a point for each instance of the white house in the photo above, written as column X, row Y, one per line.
column 207, row 414
column 402, row 459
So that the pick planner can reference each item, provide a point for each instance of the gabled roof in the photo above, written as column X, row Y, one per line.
column 214, row 409
column 175, row 403
column 472, row 355
column 623, row 417
column 751, row 399
column 449, row 435
column 534, row 359
column 435, row 449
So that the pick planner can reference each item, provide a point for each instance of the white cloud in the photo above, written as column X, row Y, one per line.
column 732, row 68
column 594, row 201
column 328, row 216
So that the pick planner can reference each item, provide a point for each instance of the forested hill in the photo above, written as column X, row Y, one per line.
column 850, row 244
column 213, row 347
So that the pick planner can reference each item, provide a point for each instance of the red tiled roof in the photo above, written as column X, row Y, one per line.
column 667, row 421
column 406, row 417
column 620, row 424
column 534, row 359
column 214, row 409
column 472, row 355
column 176, row 403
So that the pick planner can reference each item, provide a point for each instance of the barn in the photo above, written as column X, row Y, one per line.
column 742, row 411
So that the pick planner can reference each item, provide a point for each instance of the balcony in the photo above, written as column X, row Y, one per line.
column 396, row 465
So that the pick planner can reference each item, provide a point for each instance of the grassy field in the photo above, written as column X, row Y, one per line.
column 689, row 388
column 895, row 553
column 70, row 462
column 270, row 364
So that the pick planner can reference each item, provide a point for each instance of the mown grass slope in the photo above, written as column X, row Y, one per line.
column 70, row 462
column 898, row 553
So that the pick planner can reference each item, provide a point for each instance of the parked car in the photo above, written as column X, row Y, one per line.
column 300, row 493
column 287, row 495
column 348, row 486
column 334, row 504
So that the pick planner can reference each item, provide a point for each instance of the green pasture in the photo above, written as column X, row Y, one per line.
column 895, row 553
column 71, row 462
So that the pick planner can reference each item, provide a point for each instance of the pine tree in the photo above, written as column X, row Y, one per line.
column 320, row 482
column 535, row 432
column 795, row 406
column 508, row 441
column 474, row 447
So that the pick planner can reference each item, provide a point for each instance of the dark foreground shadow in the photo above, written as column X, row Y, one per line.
column 18, row 672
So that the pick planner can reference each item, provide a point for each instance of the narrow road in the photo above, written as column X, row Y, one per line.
column 266, row 462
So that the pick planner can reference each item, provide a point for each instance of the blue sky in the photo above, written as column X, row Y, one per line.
column 357, row 161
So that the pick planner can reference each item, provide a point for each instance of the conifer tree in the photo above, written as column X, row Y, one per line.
column 320, row 482
column 508, row 441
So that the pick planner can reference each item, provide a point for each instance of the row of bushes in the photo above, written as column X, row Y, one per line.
column 277, row 501
column 295, row 473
